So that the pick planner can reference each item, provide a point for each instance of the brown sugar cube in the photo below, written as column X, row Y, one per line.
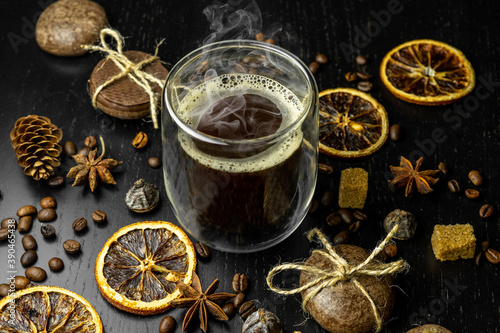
column 452, row 242
column 353, row 188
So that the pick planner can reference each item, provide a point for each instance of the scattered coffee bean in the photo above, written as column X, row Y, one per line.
column 240, row 283
column 453, row 186
column 29, row 243
column 486, row 211
column 472, row 193
column 260, row 37
column 475, row 177
column 71, row 246
column 202, row 250
column 25, row 223
column 36, row 274
column 346, row 215
column 325, row 168
column 84, row 151
column 90, row 141
column 443, row 168
column 69, row 148
column 270, row 41
column 140, row 141
column 360, row 215
column 395, row 132
column 167, row 325
column 21, row 282
column 238, row 300
column 391, row 250
column 361, row 59
column 328, row 198
column 56, row 264
column 342, row 237
column 229, row 310
column 154, row 162
column 79, row 224
column 351, row 77
column 363, row 76
column 314, row 67
column 477, row 258
column 4, row 289
column 46, row 215
column 321, row 58
column 9, row 222
column 29, row 258
column 355, row 226
column 56, row 181
column 26, row 210
column 314, row 207
column 48, row 202
column 4, row 234
column 333, row 219
column 48, row 231
column 485, row 246
column 246, row 309
column 493, row 256
column 99, row 216
column 365, row 86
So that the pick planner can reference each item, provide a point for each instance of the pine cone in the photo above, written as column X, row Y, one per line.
column 36, row 144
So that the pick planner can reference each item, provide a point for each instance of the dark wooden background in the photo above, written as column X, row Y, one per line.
column 458, row 295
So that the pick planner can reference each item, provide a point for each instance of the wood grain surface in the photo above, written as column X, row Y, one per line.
column 458, row 295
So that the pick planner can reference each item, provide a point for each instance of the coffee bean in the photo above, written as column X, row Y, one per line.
column 56, row 264
column 71, row 246
column 361, row 59
column 21, row 282
column 57, row 181
column 486, row 211
column 270, row 41
column 260, row 37
column 46, row 215
column 90, row 141
column 9, row 222
column 328, row 198
column 4, row 289
column 321, row 58
column 80, row 224
column 360, row 215
column 443, row 168
column 99, row 216
column 69, row 148
column 314, row 207
column 48, row 231
column 477, row 258
column 365, row 86
column 202, row 250
column 346, row 215
column 391, row 250
column 4, row 234
column 472, row 194
column 26, row 210
column 140, row 141
column 342, row 237
column 48, row 202
column 238, row 300
column 240, row 283
column 84, row 151
column 475, row 177
column 325, row 168
column 333, row 219
column 493, row 256
column 25, row 223
column 229, row 310
column 36, row 274
column 29, row 243
column 485, row 246
column 154, row 162
column 363, row 76
column 453, row 186
column 167, row 325
column 314, row 67
column 351, row 77
column 246, row 309
column 29, row 258
column 395, row 132
column 355, row 226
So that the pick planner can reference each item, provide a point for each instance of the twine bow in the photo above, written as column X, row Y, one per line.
column 343, row 272
column 127, row 68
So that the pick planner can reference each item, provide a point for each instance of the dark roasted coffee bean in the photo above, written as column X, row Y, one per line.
column 472, row 193
column 363, row 76
column 270, row 41
column 4, row 234
column 154, row 162
column 36, row 274
column 229, row 310
column 314, row 207
column 57, row 181
column 240, row 283
column 346, row 215
column 167, row 325
column 4, row 289
column 90, row 141
column 29, row 258
column 342, row 237
column 443, row 168
column 29, row 243
column 391, row 250
column 99, row 216
column 486, row 211
column 9, row 222
column 395, row 132
column 477, row 258
column 475, row 177
column 453, row 186
column 48, row 202
column 80, row 224
column 56, row 264
column 48, row 231
column 246, row 309
column 260, row 37
column 328, row 198
column 69, row 148
column 140, row 141
column 238, row 300
column 325, row 168
column 355, row 226
column 25, row 223
column 360, row 215
column 202, row 250
column 351, row 77
column 361, row 60
column 485, row 246
column 46, row 215
column 84, row 151
column 314, row 67
column 321, row 58
column 365, row 86
column 492, row 256
column 333, row 219
column 26, row 210
column 21, row 282
column 71, row 246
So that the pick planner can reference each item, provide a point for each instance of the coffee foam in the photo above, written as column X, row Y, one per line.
column 194, row 104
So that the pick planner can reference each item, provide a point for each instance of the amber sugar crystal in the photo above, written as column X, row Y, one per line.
column 452, row 242
column 353, row 188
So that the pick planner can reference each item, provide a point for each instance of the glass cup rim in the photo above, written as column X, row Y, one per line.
column 311, row 82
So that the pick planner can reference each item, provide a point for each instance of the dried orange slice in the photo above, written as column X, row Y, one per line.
column 427, row 72
column 139, row 267
column 351, row 123
column 48, row 309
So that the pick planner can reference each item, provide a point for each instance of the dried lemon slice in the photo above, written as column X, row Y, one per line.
column 139, row 267
column 427, row 72
column 351, row 123
column 48, row 309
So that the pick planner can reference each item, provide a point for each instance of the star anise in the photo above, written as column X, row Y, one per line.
column 407, row 176
column 90, row 169
column 201, row 302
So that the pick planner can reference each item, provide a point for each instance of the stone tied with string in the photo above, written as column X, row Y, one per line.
column 345, row 287
column 36, row 144
column 126, row 84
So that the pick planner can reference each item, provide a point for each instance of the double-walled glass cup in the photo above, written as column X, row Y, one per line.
column 240, row 180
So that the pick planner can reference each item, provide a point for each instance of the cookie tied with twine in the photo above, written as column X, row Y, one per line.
column 126, row 84
column 345, row 287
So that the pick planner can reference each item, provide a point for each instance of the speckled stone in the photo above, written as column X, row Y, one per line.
column 67, row 24
column 429, row 329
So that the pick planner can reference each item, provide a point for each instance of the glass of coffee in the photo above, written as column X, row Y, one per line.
column 240, row 143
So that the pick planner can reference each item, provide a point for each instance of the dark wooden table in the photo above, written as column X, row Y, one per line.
column 458, row 295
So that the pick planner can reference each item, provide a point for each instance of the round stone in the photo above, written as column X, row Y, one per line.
column 429, row 329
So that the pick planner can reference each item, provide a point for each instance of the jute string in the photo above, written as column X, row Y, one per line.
column 343, row 271
column 127, row 68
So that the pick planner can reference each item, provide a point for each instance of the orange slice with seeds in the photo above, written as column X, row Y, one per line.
column 139, row 267
column 427, row 72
